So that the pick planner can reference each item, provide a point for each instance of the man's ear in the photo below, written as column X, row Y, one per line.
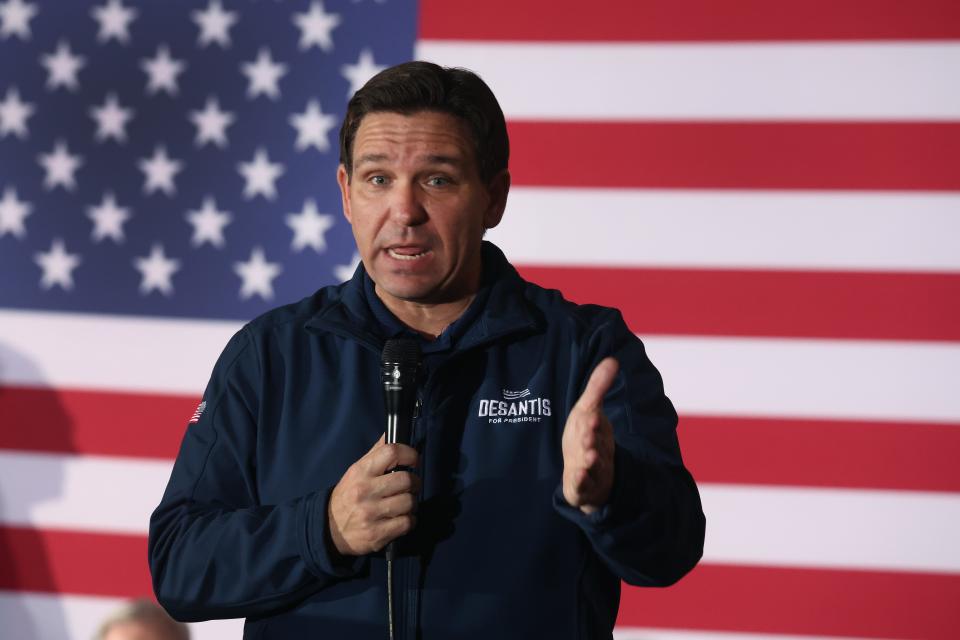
column 497, row 189
column 344, row 181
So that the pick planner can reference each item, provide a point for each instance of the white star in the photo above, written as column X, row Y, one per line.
column 344, row 272
column 162, row 71
column 263, row 75
column 159, row 172
column 114, row 19
column 15, row 18
column 60, row 167
column 358, row 74
column 214, row 24
column 208, row 223
column 57, row 265
column 14, row 114
column 156, row 270
column 260, row 174
column 108, row 219
column 211, row 124
column 62, row 67
column 257, row 275
column 315, row 27
column 312, row 127
column 13, row 212
column 111, row 120
column 308, row 227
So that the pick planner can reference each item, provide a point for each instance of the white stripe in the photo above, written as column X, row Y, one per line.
column 731, row 229
column 652, row 633
column 717, row 81
column 89, row 493
column 837, row 528
column 849, row 379
column 858, row 379
column 27, row 615
column 746, row 525
column 61, row 617
column 109, row 352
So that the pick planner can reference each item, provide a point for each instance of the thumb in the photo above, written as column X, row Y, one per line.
column 599, row 383
column 379, row 443
column 371, row 461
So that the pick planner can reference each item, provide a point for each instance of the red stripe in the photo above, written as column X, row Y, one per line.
column 737, row 155
column 93, row 422
column 73, row 562
column 719, row 597
column 867, row 604
column 710, row 20
column 768, row 303
column 742, row 450
column 822, row 453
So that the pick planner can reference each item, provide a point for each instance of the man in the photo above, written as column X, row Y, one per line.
column 142, row 620
column 545, row 460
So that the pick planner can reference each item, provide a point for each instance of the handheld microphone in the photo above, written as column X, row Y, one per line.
column 399, row 364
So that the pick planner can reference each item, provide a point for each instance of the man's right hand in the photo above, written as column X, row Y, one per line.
column 370, row 507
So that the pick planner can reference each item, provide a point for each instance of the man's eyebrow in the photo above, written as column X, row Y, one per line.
column 370, row 158
column 433, row 159
column 440, row 159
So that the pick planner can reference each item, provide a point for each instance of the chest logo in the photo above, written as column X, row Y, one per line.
column 516, row 406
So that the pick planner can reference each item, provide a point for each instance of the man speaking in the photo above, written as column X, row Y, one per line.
column 542, row 466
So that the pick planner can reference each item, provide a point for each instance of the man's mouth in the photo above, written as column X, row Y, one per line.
column 407, row 253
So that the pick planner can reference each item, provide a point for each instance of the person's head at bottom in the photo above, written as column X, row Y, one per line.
column 142, row 620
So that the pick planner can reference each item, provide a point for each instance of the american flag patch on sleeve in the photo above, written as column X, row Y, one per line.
column 199, row 412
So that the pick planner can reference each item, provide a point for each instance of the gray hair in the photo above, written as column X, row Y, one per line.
column 149, row 613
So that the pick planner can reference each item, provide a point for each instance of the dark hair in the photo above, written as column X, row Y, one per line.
column 423, row 86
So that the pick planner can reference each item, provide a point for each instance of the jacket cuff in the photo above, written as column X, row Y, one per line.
column 316, row 545
column 625, row 483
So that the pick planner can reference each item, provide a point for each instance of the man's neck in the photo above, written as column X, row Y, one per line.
column 427, row 319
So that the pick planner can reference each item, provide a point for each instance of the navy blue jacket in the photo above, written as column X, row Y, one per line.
column 295, row 399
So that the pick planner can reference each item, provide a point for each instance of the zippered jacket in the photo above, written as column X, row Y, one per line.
column 296, row 398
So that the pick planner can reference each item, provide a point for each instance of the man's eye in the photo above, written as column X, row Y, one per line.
column 438, row 181
column 378, row 180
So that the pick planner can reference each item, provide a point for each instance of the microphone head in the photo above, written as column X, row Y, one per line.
column 404, row 352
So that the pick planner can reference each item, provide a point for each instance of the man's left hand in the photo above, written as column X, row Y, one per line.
column 588, row 444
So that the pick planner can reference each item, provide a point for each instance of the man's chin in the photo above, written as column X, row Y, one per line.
column 407, row 291
column 420, row 293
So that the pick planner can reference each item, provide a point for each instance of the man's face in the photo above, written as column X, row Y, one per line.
column 136, row 630
column 418, row 207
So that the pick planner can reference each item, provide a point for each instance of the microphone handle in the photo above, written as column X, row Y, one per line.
column 401, row 409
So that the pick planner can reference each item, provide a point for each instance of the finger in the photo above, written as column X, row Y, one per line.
column 590, row 458
column 590, row 430
column 599, row 383
column 391, row 484
column 398, row 505
column 389, row 456
column 376, row 445
column 581, row 485
column 392, row 528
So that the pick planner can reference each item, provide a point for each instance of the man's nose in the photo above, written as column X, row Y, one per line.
column 406, row 205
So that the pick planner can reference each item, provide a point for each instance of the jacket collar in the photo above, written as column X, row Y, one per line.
column 499, row 309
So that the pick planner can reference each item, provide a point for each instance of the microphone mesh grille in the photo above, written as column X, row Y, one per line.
column 404, row 351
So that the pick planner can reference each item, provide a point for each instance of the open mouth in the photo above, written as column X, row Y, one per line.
column 407, row 253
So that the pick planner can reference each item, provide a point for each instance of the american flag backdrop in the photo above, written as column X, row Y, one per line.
column 769, row 190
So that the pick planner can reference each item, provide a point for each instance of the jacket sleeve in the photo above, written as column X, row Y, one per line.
column 214, row 550
column 651, row 531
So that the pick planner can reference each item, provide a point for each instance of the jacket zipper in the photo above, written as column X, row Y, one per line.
column 408, row 595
